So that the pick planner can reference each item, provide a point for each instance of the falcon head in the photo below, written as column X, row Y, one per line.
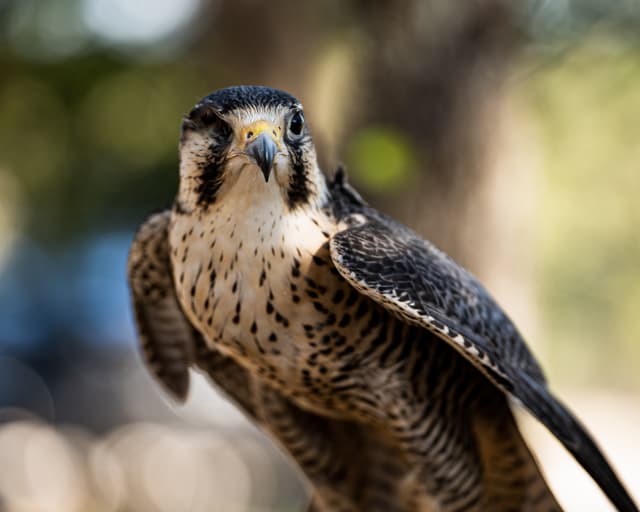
column 248, row 144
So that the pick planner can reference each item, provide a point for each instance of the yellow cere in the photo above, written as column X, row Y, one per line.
column 250, row 132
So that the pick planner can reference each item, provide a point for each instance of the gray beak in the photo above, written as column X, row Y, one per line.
column 263, row 150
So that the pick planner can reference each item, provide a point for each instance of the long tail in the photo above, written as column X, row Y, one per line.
column 564, row 425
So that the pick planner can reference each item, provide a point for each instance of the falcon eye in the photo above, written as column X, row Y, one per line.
column 296, row 124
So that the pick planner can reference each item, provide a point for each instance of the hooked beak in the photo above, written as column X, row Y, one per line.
column 263, row 149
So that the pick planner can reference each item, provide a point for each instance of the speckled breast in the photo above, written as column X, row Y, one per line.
column 267, row 294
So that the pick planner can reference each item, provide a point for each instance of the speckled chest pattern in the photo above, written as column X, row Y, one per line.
column 263, row 290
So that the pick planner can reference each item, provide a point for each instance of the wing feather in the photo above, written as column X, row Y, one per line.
column 165, row 334
column 414, row 280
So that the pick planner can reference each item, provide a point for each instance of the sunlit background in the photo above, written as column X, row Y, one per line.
column 507, row 135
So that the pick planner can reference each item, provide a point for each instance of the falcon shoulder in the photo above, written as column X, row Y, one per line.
column 414, row 280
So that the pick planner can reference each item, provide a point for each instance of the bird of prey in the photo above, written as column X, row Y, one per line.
column 382, row 367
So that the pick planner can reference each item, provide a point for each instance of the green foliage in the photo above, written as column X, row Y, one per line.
column 81, row 136
column 381, row 159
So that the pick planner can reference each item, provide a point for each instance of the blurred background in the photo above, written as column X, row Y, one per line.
column 506, row 132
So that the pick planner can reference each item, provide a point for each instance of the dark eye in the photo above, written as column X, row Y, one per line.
column 296, row 124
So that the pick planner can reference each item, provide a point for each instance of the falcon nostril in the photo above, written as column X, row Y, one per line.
column 249, row 135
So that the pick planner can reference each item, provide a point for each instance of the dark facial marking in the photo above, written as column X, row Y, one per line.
column 202, row 118
column 210, row 180
column 298, row 191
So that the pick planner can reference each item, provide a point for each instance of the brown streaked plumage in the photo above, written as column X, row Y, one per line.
column 382, row 367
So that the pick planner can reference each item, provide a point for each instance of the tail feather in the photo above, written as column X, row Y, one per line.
column 574, row 436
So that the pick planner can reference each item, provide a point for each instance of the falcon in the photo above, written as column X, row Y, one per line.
column 383, row 368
